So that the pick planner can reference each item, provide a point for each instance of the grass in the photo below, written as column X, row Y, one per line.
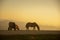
column 30, row 37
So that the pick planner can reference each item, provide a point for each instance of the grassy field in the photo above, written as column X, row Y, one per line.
column 30, row 36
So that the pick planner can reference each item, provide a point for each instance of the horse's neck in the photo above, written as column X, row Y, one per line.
column 37, row 25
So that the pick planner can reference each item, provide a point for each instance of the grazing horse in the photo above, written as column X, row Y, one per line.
column 29, row 24
column 12, row 25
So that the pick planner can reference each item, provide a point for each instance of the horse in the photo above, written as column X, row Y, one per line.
column 12, row 25
column 29, row 24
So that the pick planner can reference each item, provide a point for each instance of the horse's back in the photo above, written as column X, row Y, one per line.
column 30, row 24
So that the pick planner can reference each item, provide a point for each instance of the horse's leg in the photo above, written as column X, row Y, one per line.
column 33, row 28
column 27, row 28
column 9, row 28
column 14, row 29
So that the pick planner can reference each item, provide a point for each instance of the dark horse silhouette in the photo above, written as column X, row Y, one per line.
column 12, row 25
column 29, row 24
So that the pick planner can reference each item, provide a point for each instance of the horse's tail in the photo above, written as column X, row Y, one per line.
column 38, row 27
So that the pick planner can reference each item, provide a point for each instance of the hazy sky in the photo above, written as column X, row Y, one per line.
column 44, row 12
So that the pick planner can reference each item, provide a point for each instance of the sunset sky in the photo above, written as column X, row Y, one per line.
column 44, row 12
